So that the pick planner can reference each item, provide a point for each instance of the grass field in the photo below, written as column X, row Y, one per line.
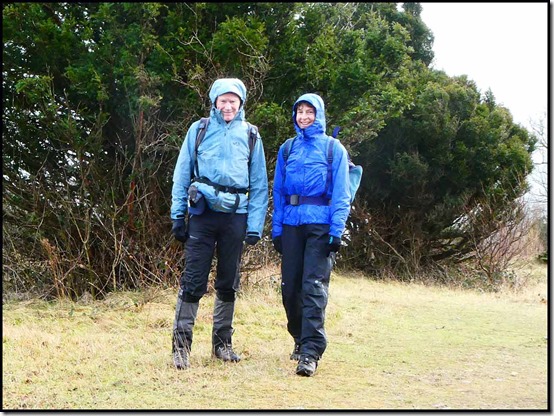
column 391, row 346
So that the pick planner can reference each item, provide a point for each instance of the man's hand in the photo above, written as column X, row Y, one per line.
column 251, row 238
column 278, row 244
column 179, row 230
column 334, row 245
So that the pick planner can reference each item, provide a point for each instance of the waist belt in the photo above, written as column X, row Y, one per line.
column 310, row 200
column 221, row 188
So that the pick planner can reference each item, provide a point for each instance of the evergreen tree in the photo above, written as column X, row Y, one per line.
column 98, row 96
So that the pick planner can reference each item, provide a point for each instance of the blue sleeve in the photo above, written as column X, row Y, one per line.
column 258, row 190
column 340, row 199
column 182, row 174
column 278, row 195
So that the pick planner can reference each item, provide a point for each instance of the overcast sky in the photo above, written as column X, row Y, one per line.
column 504, row 47
column 501, row 46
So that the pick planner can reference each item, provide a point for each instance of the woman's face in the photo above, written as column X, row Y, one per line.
column 305, row 115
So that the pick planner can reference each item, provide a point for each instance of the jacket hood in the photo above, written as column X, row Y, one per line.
column 225, row 85
column 319, row 125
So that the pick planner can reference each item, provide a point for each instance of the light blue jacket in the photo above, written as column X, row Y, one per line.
column 306, row 174
column 223, row 158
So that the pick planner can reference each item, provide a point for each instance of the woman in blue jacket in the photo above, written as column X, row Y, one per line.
column 309, row 218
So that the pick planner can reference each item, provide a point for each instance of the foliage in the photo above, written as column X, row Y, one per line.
column 430, row 172
column 98, row 96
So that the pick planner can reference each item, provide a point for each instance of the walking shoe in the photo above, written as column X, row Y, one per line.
column 295, row 356
column 306, row 367
column 225, row 352
column 181, row 358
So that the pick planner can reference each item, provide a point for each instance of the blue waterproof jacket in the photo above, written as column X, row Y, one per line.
column 223, row 158
column 306, row 175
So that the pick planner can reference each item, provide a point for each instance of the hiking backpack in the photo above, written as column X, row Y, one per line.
column 354, row 171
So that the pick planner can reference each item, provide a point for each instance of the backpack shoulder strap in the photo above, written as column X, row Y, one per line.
column 287, row 148
column 252, row 137
column 330, row 149
column 202, row 127
column 286, row 152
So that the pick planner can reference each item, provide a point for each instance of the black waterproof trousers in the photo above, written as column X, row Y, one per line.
column 306, row 270
column 211, row 232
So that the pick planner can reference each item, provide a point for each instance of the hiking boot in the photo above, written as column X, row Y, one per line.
column 295, row 356
column 306, row 367
column 225, row 352
column 181, row 358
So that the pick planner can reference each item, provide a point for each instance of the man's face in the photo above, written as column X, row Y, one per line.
column 229, row 105
column 305, row 115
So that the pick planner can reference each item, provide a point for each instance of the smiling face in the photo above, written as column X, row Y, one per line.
column 229, row 105
column 305, row 115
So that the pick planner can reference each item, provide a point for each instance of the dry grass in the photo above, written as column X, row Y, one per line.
column 391, row 346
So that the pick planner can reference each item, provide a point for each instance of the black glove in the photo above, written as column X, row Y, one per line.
column 251, row 238
column 179, row 230
column 278, row 244
column 334, row 245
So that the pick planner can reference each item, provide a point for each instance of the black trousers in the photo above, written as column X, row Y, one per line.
column 222, row 233
column 306, row 270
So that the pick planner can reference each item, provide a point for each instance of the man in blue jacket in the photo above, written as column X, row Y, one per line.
column 222, row 186
column 309, row 217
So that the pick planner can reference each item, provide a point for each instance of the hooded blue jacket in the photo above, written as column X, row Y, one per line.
column 306, row 175
column 223, row 158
